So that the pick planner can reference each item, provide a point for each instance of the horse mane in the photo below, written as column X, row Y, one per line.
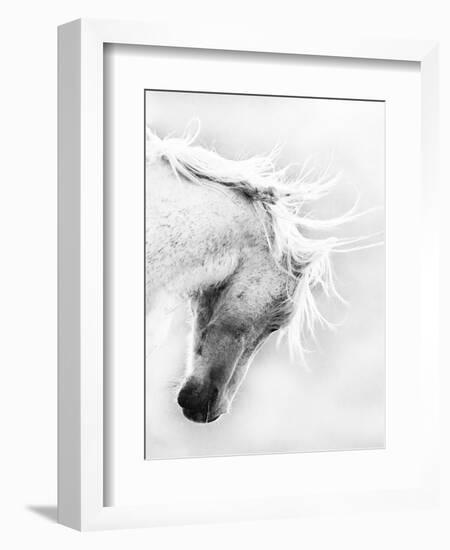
column 283, row 200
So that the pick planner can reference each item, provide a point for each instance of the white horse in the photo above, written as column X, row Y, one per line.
column 233, row 238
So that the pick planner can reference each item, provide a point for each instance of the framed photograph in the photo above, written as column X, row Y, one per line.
column 248, row 267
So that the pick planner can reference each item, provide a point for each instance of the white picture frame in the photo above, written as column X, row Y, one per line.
column 81, row 408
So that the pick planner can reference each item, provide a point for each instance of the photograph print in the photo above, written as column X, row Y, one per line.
column 264, row 274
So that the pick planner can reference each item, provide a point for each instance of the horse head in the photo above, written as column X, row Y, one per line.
column 230, row 322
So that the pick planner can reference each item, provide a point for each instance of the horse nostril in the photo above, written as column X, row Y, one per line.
column 186, row 397
column 199, row 403
column 196, row 397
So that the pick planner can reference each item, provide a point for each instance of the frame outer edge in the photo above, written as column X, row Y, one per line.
column 431, row 250
column 69, row 334
column 80, row 361
column 169, row 33
column 90, row 229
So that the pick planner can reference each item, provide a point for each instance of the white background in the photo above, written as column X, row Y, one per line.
column 28, row 275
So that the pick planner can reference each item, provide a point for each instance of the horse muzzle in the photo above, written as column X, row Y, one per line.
column 199, row 402
column 201, row 417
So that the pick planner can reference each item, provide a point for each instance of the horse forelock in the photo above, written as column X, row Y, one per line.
column 285, row 202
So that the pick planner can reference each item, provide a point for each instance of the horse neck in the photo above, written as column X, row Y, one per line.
column 195, row 234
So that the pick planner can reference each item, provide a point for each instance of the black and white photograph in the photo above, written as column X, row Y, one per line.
column 264, row 274
column 224, row 268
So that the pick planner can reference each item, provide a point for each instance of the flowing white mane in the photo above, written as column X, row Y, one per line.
column 283, row 200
